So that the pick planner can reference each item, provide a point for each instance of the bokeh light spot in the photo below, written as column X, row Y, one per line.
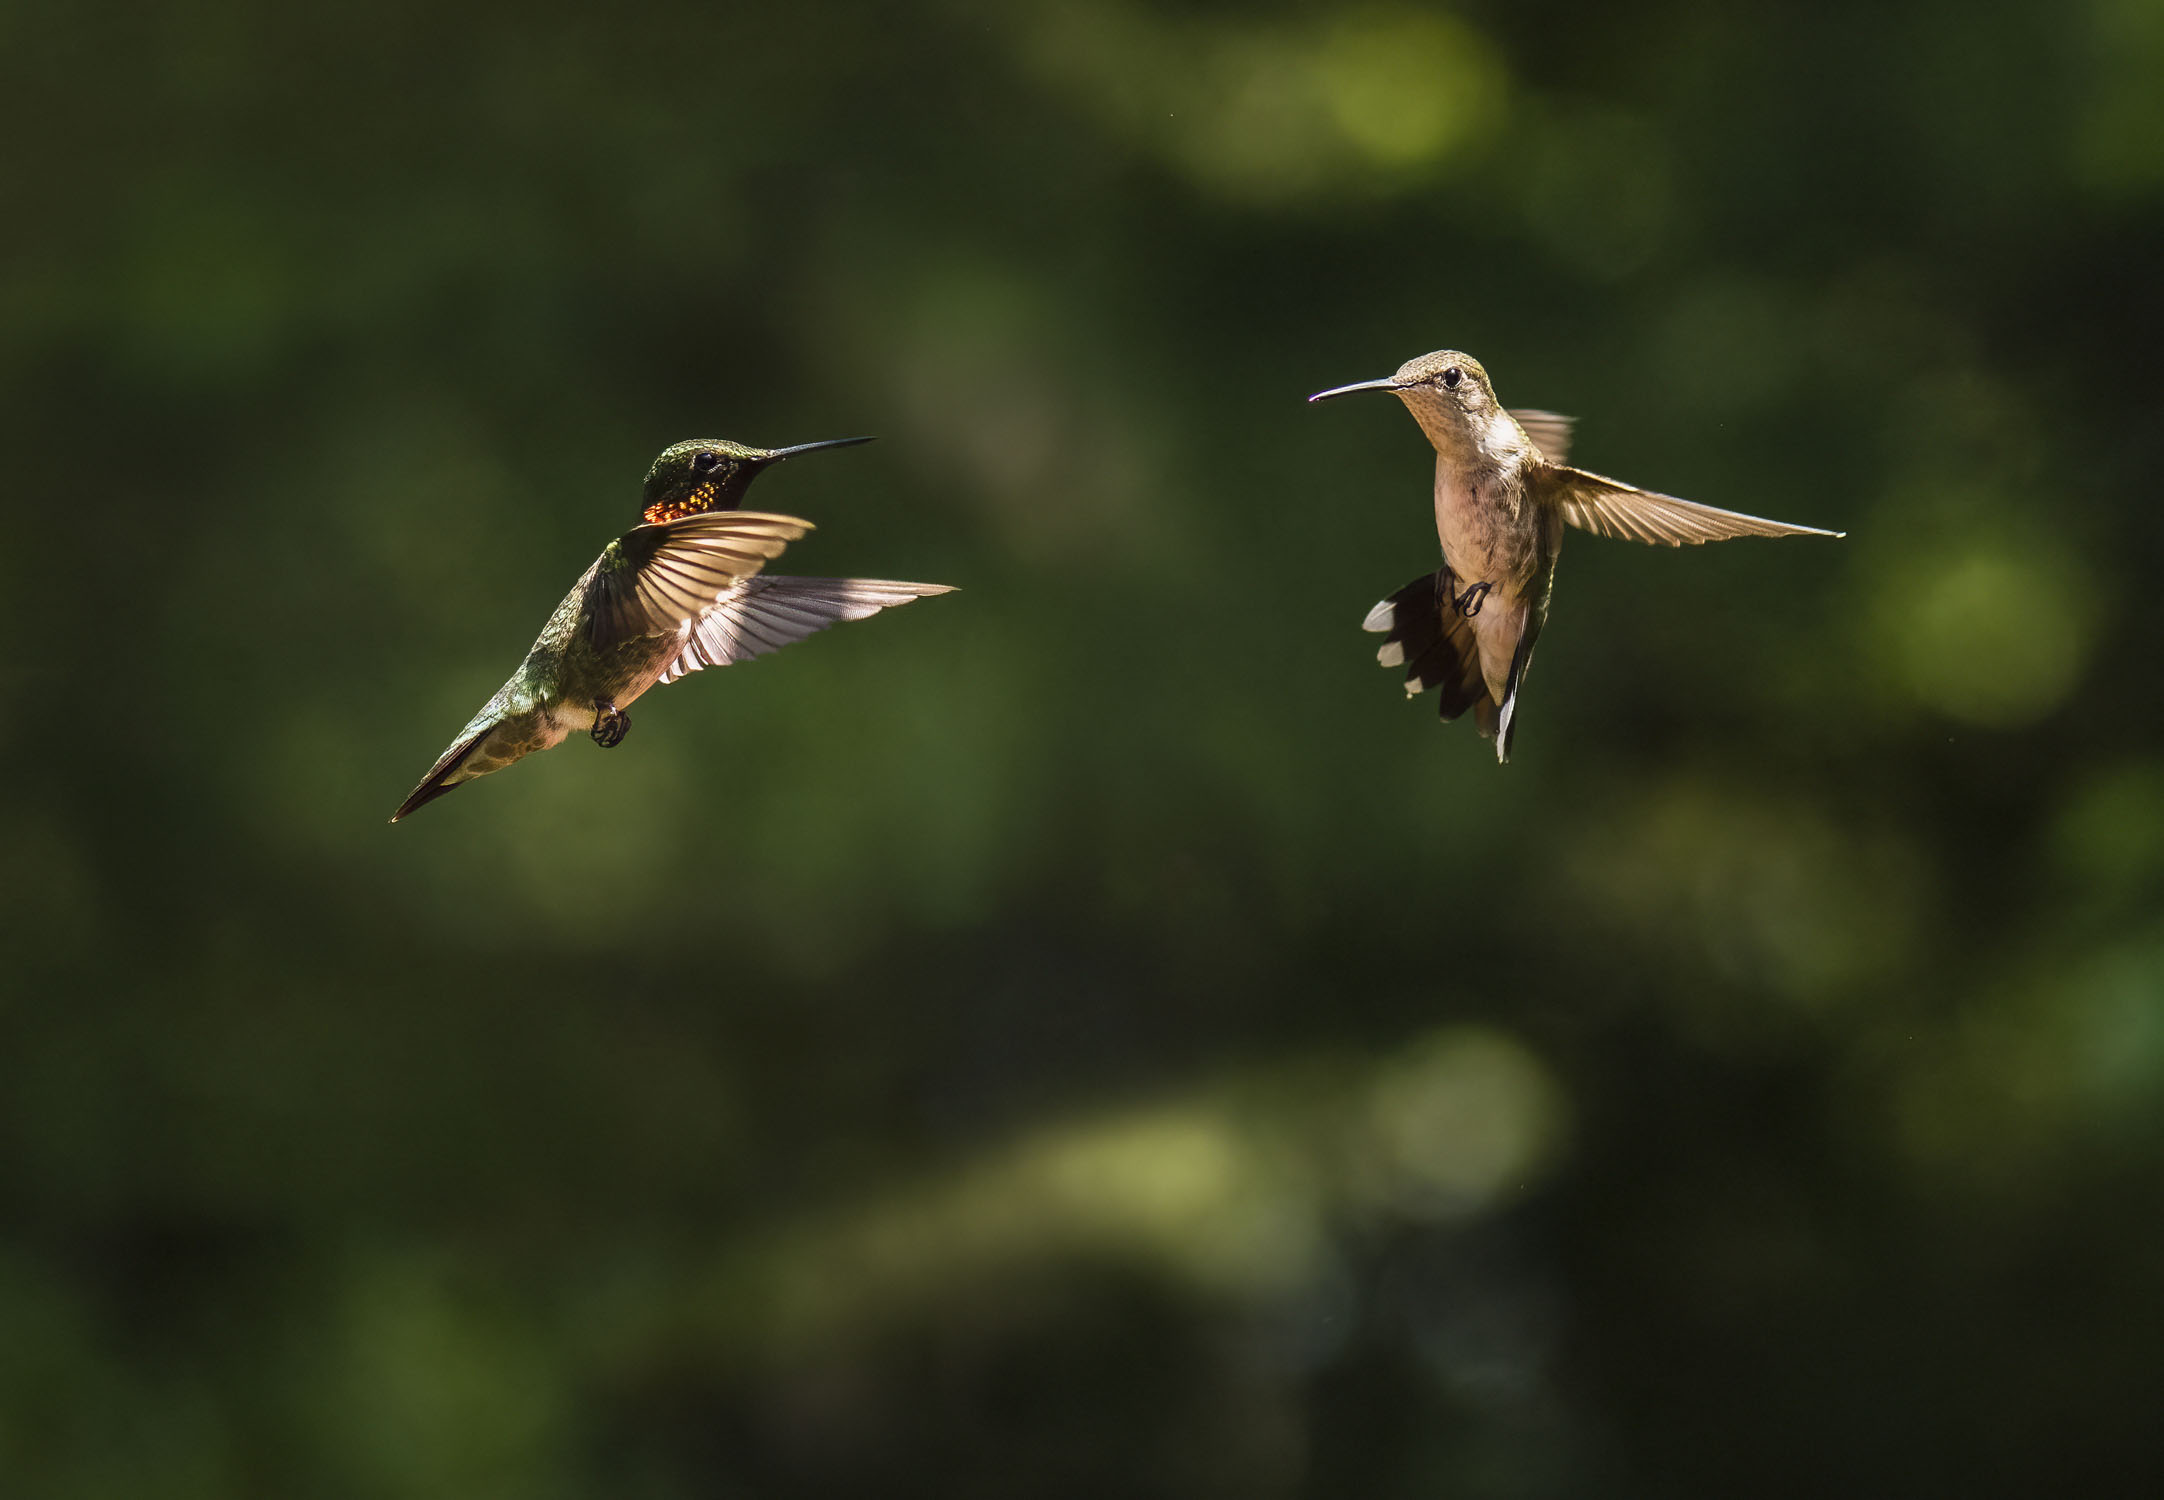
column 1461, row 1117
column 1995, row 639
column 1772, row 894
column 1408, row 87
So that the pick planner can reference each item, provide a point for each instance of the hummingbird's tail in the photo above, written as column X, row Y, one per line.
column 499, row 735
column 1435, row 644
column 1504, row 731
column 445, row 775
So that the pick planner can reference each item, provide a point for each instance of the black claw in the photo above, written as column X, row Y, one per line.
column 611, row 724
column 1468, row 603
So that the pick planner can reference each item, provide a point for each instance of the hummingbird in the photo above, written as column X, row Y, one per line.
column 679, row 591
column 1504, row 491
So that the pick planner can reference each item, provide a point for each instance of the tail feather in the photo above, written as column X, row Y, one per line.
column 1439, row 648
column 1505, row 731
column 444, row 775
column 1435, row 645
column 1488, row 718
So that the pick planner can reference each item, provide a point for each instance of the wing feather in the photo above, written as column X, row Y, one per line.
column 653, row 580
column 1608, row 507
column 1550, row 432
column 764, row 614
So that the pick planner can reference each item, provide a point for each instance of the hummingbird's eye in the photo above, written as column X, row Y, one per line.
column 703, row 463
column 1451, row 377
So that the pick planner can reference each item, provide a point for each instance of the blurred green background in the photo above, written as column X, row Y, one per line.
column 1090, row 1035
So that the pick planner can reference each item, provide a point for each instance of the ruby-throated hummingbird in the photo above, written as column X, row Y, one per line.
column 680, row 591
column 1503, row 494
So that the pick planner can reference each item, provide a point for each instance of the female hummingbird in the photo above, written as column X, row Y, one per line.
column 680, row 591
column 1503, row 494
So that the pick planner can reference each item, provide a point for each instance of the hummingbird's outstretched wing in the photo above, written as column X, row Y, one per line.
column 653, row 580
column 766, row 613
column 1609, row 507
column 1550, row 432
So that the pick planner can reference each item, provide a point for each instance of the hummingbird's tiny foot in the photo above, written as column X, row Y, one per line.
column 1468, row 603
column 611, row 724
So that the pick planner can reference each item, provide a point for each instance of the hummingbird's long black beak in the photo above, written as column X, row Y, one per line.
column 1387, row 383
column 776, row 455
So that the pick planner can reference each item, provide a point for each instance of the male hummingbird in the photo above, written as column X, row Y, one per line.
column 1503, row 493
column 680, row 591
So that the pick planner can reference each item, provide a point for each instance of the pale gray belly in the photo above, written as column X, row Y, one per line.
column 1488, row 530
